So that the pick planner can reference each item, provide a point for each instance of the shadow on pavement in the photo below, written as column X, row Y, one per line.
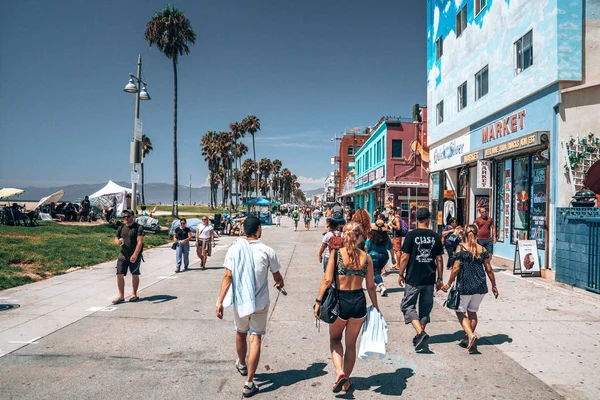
column 447, row 337
column 273, row 381
column 158, row 298
column 483, row 341
column 389, row 384
column 498, row 338
column 395, row 290
column 200, row 269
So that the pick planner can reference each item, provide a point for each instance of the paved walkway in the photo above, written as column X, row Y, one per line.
column 66, row 341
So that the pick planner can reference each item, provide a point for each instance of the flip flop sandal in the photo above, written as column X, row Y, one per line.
column 118, row 301
column 134, row 298
column 349, row 383
column 337, row 387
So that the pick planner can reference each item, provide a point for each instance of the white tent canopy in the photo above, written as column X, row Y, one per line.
column 110, row 188
column 53, row 198
column 111, row 195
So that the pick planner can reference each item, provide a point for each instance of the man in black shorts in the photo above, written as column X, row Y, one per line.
column 130, row 236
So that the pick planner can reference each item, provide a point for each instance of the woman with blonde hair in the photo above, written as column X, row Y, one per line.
column 471, row 265
column 353, row 267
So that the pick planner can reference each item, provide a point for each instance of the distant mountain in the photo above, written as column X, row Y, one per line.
column 154, row 192
column 314, row 192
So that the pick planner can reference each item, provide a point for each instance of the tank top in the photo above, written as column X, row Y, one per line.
column 344, row 271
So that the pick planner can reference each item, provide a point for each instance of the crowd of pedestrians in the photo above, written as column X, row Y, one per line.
column 353, row 253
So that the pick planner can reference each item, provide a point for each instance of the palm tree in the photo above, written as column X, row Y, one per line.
column 251, row 124
column 146, row 149
column 210, row 152
column 172, row 34
column 264, row 167
column 237, row 131
column 276, row 168
column 248, row 169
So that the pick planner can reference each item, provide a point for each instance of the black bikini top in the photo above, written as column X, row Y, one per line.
column 344, row 271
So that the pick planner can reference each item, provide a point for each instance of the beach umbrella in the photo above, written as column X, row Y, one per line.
column 53, row 198
column 10, row 192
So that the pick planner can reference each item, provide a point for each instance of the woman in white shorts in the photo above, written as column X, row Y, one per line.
column 472, row 263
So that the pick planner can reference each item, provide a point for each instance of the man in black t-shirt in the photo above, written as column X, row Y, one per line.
column 421, row 256
column 130, row 236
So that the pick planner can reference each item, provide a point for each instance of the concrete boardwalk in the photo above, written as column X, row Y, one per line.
column 66, row 341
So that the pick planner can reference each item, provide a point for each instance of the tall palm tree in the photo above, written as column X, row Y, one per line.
column 251, row 124
column 172, row 33
column 275, row 170
column 264, row 167
column 237, row 132
column 210, row 152
column 146, row 149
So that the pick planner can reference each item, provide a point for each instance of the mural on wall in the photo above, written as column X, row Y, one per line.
column 489, row 39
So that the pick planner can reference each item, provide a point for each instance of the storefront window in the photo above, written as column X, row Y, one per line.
column 500, row 201
column 521, row 196
column 435, row 180
column 538, row 211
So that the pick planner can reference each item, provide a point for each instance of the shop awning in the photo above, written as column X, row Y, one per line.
column 407, row 184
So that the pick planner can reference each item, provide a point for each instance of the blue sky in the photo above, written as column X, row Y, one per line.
column 308, row 69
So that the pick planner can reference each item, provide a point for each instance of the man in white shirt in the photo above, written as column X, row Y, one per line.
column 205, row 239
column 263, row 260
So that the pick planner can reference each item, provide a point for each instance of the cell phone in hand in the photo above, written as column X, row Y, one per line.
column 282, row 290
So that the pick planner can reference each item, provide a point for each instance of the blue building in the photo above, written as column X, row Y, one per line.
column 508, row 81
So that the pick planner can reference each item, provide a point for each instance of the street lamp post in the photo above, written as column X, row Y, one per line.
column 135, row 86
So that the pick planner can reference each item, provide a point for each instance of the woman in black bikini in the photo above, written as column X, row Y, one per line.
column 353, row 266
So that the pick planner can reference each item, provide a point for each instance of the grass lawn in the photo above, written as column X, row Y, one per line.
column 28, row 254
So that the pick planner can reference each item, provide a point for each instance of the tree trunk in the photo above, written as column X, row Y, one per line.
column 255, row 172
column 143, row 197
column 175, row 211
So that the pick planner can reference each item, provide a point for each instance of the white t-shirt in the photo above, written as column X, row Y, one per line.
column 265, row 260
column 204, row 234
column 326, row 238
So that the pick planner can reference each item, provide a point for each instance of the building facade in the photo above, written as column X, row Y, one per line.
column 391, row 167
column 350, row 142
column 497, row 75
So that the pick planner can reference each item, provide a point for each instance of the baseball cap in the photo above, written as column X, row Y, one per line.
column 128, row 212
column 423, row 214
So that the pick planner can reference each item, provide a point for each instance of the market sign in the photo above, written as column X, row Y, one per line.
column 379, row 172
column 471, row 157
column 484, row 169
column 503, row 127
column 512, row 145
column 371, row 176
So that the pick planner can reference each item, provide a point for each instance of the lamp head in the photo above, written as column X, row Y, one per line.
column 144, row 94
column 131, row 88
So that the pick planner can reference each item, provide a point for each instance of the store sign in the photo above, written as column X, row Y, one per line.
column 503, row 127
column 484, row 170
column 449, row 154
column 371, row 176
column 379, row 173
column 513, row 145
column 471, row 157
column 448, row 194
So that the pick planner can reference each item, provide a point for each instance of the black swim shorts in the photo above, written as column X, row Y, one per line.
column 353, row 304
column 124, row 265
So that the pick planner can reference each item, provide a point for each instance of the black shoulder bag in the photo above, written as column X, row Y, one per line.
column 330, row 303
column 453, row 300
